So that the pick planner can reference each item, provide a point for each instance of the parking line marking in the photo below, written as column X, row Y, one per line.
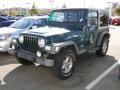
column 99, row 78
column 5, row 70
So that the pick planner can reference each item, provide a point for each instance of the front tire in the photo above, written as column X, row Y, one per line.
column 103, row 47
column 64, row 64
column 23, row 61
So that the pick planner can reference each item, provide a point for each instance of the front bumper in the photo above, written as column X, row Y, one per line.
column 26, row 55
column 30, row 56
column 4, row 45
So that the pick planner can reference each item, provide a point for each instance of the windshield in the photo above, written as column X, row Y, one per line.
column 22, row 23
column 68, row 19
column 67, row 16
column 57, row 17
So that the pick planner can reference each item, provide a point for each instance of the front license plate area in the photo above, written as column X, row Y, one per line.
column 27, row 56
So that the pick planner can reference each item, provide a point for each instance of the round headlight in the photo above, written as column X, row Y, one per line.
column 21, row 39
column 41, row 43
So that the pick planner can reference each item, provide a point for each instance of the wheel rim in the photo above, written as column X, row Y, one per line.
column 67, row 64
column 105, row 46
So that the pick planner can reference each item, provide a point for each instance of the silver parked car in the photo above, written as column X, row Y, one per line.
column 8, row 33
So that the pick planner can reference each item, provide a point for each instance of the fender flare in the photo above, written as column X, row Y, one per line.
column 100, row 37
column 56, row 47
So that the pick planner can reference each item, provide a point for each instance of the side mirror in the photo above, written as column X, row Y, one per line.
column 33, row 27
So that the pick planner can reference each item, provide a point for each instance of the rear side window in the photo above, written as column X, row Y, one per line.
column 104, row 19
column 93, row 17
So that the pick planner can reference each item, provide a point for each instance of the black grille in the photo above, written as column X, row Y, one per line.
column 30, row 43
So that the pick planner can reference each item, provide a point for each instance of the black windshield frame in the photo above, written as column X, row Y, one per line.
column 67, row 23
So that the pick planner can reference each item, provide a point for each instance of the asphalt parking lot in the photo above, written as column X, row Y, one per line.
column 90, row 72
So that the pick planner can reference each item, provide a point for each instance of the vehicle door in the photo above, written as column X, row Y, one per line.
column 91, row 29
column 78, row 21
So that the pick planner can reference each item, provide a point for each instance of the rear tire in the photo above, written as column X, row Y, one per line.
column 23, row 61
column 64, row 64
column 103, row 47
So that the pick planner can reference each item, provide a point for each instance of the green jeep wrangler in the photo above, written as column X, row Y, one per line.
column 70, row 32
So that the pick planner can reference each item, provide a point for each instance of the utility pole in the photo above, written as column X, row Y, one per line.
column 3, row 9
column 109, row 8
column 64, row 5
column 8, row 11
column 84, row 3
column 27, row 8
column 51, row 1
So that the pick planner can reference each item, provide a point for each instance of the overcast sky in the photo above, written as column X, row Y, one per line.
column 56, row 3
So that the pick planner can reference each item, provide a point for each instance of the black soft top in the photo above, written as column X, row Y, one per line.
column 78, row 9
column 71, row 9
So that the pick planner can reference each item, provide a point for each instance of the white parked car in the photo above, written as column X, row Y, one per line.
column 8, row 33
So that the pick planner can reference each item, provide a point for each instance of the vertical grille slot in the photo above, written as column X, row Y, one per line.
column 30, row 43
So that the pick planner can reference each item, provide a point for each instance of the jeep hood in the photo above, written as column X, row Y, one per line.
column 54, row 34
column 48, row 31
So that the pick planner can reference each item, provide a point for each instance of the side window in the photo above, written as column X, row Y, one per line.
column 93, row 17
column 72, row 17
column 104, row 19
column 81, row 16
